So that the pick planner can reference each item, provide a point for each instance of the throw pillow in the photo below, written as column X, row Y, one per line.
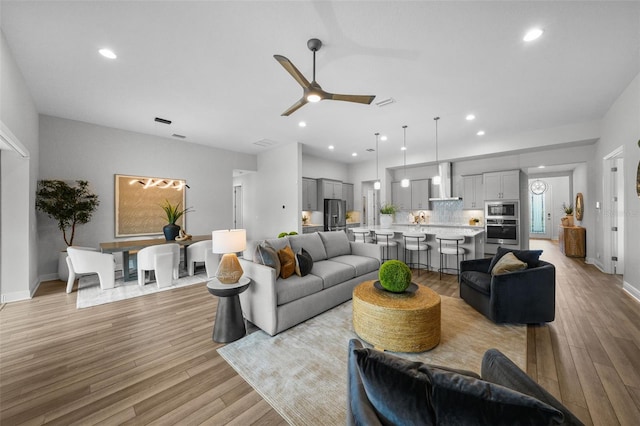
column 529, row 256
column 287, row 262
column 508, row 263
column 461, row 400
column 304, row 263
column 267, row 255
column 396, row 388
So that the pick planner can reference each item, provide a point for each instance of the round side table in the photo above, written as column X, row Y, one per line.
column 397, row 322
column 229, row 325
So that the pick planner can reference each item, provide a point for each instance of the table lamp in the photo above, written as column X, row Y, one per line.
column 228, row 242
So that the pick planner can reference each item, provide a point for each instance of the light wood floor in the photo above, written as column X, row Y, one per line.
column 151, row 360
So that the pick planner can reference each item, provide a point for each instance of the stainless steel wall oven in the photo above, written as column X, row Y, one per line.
column 502, row 222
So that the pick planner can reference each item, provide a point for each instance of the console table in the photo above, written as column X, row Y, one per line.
column 572, row 241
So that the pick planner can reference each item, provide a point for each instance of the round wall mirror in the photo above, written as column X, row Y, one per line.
column 579, row 206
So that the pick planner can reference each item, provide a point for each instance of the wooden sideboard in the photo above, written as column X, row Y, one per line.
column 572, row 241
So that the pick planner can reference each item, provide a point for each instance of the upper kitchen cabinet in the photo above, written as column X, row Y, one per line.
column 420, row 194
column 309, row 194
column 472, row 192
column 347, row 195
column 502, row 185
column 401, row 197
column 328, row 188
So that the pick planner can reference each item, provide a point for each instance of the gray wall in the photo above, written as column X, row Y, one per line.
column 18, row 115
column 72, row 150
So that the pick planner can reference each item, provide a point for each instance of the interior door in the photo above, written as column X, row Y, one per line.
column 237, row 207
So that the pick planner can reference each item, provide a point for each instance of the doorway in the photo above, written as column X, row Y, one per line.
column 614, row 211
column 547, row 194
column 237, row 207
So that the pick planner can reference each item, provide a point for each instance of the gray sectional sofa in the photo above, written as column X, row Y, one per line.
column 275, row 304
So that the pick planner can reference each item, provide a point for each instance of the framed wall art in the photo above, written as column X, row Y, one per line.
column 138, row 201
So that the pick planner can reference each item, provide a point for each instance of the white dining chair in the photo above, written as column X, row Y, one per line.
column 202, row 251
column 163, row 259
column 87, row 260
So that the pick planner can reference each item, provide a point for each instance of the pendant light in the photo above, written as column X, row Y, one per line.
column 376, row 184
column 436, row 179
column 404, row 182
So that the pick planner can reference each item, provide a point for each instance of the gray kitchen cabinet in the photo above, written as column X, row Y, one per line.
column 328, row 188
column 309, row 194
column 420, row 194
column 347, row 195
column 472, row 192
column 502, row 185
column 401, row 197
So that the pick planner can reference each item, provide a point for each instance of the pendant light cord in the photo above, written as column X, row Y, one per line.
column 377, row 166
column 436, row 120
column 404, row 151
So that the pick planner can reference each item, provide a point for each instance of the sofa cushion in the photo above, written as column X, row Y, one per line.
column 287, row 262
column 396, row 388
column 304, row 263
column 295, row 287
column 266, row 255
column 332, row 273
column 508, row 263
column 460, row 399
column 311, row 243
column 278, row 243
column 531, row 257
column 336, row 243
column 362, row 264
column 478, row 281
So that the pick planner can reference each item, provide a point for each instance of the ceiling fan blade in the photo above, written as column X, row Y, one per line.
column 291, row 69
column 295, row 107
column 361, row 99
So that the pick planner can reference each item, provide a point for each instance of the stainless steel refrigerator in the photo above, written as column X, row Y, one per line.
column 335, row 215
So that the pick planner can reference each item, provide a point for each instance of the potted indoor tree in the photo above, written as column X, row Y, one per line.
column 387, row 210
column 69, row 206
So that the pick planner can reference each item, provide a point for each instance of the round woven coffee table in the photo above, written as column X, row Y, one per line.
column 405, row 322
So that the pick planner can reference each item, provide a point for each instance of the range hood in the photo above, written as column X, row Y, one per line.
column 444, row 189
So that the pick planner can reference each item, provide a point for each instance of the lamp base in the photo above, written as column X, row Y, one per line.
column 229, row 269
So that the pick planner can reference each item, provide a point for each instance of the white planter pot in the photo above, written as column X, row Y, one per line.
column 63, row 269
column 386, row 220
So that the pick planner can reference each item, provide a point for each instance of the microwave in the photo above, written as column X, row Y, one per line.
column 501, row 210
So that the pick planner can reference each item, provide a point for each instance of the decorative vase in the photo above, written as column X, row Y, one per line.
column 171, row 231
column 386, row 220
column 569, row 220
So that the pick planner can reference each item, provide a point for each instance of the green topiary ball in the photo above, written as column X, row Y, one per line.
column 395, row 276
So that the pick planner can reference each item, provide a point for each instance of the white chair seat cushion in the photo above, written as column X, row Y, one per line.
column 389, row 243
column 419, row 246
column 451, row 250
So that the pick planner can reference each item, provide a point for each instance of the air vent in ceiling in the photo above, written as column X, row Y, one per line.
column 265, row 143
column 162, row 120
column 385, row 102
column 175, row 135
column 370, row 150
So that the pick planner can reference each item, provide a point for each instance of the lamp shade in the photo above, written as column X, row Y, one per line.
column 229, row 240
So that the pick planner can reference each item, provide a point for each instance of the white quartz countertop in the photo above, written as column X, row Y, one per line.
column 471, row 231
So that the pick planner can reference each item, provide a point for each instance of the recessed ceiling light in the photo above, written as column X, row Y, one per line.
column 470, row 117
column 541, row 167
column 302, row 124
column 480, row 133
column 532, row 34
column 355, row 154
column 107, row 53
column 331, row 147
column 404, row 148
column 383, row 138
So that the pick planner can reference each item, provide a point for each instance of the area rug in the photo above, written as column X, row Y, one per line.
column 302, row 372
column 90, row 293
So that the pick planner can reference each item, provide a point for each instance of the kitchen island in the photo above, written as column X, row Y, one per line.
column 473, row 236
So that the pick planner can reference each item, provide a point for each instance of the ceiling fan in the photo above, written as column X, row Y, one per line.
column 312, row 92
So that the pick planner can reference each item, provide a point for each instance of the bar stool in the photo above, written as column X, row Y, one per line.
column 362, row 235
column 416, row 241
column 449, row 249
column 384, row 238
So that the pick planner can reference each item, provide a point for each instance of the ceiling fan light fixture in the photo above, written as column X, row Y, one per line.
column 313, row 97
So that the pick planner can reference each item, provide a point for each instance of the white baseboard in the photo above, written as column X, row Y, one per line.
column 15, row 296
column 633, row 292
